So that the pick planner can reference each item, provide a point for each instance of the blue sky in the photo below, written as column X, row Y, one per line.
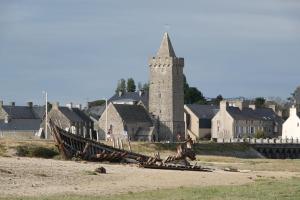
column 78, row 50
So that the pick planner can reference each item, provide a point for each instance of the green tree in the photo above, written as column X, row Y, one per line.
column 96, row 103
column 192, row 94
column 131, row 85
column 121, row 86
column 217, row 100
column 260, row 102
column 146, row 87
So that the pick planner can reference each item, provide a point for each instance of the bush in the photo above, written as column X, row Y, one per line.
column 36, row 151
column 259, row 134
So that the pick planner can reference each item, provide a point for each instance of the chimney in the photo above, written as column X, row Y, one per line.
column 252, row 106
column 141, row 93
column 79, row 106
column 12, row 103
column 55, row 105
column 70, row 105
column 223, row 105
column 273, row 107
column 293, row 111
column 29, row 104
column 120, row 93
column 7, row 119
column 240, row 104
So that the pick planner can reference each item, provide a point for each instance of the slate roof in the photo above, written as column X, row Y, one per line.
column 132, row 113
column 131, row 96
column 250, row 114
column 24, row 112
column 70, row 114
column 82, row 115
column 203, row 111
column 95, row 111
column 20, row 125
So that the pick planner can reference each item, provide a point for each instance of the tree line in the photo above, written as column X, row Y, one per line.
column 130, row 86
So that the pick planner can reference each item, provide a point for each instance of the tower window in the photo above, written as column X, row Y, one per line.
column 159, row 95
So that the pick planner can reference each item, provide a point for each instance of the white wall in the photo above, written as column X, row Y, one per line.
column 291, row 127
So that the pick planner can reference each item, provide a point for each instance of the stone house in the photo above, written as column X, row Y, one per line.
column 240, row 122
column 125, row 118
column 72, row 119
column 198, row 120
column 291, row 127
column 95, row 112
column 20, row 121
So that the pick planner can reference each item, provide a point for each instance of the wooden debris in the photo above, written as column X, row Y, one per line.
column 76, row 147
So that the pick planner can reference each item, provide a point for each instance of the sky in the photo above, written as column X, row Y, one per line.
column 78, row 50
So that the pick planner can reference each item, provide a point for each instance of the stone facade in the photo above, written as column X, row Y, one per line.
column 198, row 120
column 241, row 122
column 133, row 119
column 166, row 97
column 21, row 122
column 67, row 119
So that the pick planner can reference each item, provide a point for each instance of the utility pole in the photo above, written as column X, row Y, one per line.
column 106, row 127
column 46, row 111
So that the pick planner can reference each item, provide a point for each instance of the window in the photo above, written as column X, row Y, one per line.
column 298, row 124
column 240, row 129
column 251, row 129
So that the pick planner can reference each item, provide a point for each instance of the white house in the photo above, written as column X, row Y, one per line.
column 291, row 127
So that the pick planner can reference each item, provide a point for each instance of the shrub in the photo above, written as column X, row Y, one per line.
column 259, row 134
column 36, row 151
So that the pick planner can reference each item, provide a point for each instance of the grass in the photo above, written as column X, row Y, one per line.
column 262, row 189
column 251, row 164
column 28, row 148
column 2, row 150
column 36, row 151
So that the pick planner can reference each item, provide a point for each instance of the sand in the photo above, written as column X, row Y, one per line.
column 20, row 176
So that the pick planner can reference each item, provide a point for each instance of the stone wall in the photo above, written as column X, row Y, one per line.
column 166, row 99
column 113, row 120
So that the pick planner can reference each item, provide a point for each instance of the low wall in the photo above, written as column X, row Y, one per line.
column 18, row 134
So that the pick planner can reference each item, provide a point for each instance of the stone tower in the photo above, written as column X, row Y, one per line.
column 166, row 98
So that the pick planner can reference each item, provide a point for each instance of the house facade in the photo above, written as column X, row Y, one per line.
column 126, row 121
column 198, row 120
column 240, row 122
column 71, row 119
column 291, row 127
column 20, row 121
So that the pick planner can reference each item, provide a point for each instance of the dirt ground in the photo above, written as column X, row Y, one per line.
column 20, row 176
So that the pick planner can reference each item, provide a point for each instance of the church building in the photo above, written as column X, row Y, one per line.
column 164, row 104
column 166, row 96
